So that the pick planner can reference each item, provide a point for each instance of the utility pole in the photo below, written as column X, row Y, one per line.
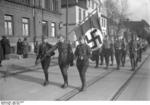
column 66, row 20
column 34, row 22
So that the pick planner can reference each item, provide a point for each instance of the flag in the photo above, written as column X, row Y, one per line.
column 91, row 29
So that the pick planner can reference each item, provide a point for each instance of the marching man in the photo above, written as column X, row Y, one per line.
column 82, row 53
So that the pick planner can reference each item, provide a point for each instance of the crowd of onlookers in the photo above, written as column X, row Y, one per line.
column 5, row 49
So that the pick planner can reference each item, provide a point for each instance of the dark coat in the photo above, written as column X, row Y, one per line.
column 6, row 46
column 43, row 48
column 25, row 47
column 19, row 48
column 82, row 53
column 1, row 53
column 95, row 55
column 65, row 57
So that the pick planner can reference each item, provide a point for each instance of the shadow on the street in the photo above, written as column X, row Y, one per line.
column 17, row 69
column 38, row 80
column 29, row 78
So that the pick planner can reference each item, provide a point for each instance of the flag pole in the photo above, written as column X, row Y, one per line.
column 66, row 20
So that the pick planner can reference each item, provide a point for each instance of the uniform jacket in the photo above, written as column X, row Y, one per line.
column 106, row 44
column 82, row 53
column 42, row 50
column 65, row 53
column 95, row 54
column 117, row 45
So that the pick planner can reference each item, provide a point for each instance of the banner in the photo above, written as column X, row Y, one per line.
column 91, row 29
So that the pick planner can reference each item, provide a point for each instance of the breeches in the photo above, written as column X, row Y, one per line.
column 45, row 65
column 118, row 56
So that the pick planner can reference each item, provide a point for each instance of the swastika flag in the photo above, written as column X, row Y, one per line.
column 91, row 29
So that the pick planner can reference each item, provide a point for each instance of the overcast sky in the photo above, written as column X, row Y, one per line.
column 139, row 9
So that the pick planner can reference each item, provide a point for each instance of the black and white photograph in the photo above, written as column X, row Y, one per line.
column 74, row 50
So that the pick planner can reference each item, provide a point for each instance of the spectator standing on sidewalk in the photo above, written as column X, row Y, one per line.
column 25, row 48
column 19, row 47
column 6, row 47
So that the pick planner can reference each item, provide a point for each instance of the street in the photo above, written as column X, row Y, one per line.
column 138, row 88
column 24, row 81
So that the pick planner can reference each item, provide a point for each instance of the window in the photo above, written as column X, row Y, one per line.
column 45, row 28
column 89, row 3
column 80, row 17
column 92, row 4
column 104, row 22
column 26, row 2
column 25, row 26
column 99, row 9
column 50, row 5
column 53, row 29
column 84, row 14
column 8, row 25
column 54, row 5
column 43, row 3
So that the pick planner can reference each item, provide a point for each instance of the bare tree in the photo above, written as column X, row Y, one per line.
column 117, row 11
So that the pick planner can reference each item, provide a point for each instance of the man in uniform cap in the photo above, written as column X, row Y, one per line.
column 106, row 50
column 42, row 50
column 123, row 51
column 133, row 51
column 82, row 53
column 64, row 61
column 117, row 46
column 112, row 50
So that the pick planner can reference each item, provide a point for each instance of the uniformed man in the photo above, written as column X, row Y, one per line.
column 43, row 48
column 112, row 51
column 133, row 51
column 123, row 51
column 95, row 55
column 106, row 50
column 139, row 50
column 117, row 46
column 64, row 58
column 82, row 53
column 102, row 54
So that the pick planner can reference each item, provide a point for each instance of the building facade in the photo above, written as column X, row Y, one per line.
column 78, row 10
column 31, row 19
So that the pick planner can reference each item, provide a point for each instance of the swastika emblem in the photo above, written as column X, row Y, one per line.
column 94, row 38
